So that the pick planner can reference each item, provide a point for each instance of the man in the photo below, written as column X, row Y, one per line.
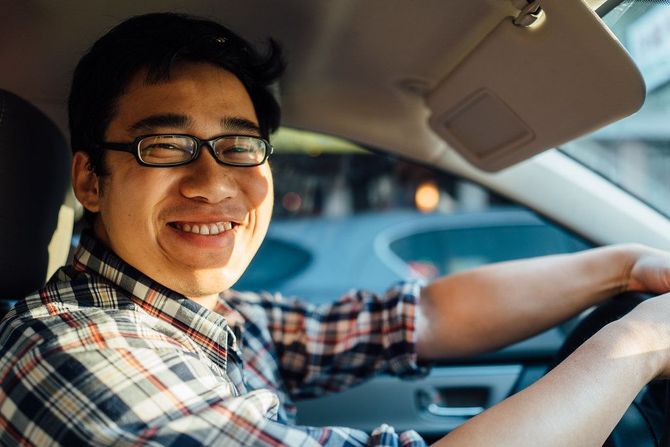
column 142, row 342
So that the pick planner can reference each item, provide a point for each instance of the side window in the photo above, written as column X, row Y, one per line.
column 346, row 217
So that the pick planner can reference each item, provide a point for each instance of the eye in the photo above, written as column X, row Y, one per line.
column 239, row 154
column 165, row 150
column 160, row 150
column 239, row 150
column 166, row 146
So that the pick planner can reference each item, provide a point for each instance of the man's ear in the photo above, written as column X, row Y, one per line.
column 85, row 182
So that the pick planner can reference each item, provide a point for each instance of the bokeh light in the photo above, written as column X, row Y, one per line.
column 427, row 197
column 291, row 201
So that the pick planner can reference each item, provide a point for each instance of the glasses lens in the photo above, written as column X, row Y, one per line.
column 166, row 149
column 241, row 151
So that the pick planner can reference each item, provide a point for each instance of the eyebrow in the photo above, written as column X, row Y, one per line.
column 239, row 124
column 152, row 122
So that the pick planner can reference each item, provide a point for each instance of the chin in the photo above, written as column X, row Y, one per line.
column 208, row 282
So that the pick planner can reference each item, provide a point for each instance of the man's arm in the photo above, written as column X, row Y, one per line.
column 490, row 307
column 332, row 347
column 580, row 401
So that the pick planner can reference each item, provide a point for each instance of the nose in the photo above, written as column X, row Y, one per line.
column 208, row 181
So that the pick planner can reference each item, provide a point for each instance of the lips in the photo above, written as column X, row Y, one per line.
column 204, row 229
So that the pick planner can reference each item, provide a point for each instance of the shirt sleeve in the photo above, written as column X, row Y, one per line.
column 99, row 387
column 329, row 348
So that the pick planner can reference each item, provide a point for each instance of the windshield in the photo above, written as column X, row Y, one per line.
column 391, row 219
column 634, row 153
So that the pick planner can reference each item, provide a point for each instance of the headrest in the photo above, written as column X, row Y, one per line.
column 34, row 179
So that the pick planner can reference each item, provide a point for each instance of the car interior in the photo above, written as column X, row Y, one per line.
column 418, row 139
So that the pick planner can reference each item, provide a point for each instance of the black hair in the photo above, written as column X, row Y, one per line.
column 156, row 43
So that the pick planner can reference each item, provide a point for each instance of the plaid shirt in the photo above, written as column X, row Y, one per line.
column 103, row 355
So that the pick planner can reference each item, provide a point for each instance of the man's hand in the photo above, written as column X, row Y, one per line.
column 650, row 270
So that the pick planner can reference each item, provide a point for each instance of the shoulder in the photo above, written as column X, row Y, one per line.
column 78, row 313
column 70, row 290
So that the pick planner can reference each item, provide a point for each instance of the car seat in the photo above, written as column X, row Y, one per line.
column 35, row 224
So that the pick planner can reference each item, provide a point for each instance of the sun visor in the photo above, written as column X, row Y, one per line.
column 530, row 87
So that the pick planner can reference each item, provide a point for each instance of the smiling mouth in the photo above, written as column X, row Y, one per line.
column 204, row 229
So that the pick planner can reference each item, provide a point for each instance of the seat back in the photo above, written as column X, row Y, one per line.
column 34, row 180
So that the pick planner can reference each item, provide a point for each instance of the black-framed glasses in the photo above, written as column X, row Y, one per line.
column 167, row 150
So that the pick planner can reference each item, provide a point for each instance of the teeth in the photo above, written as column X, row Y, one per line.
column 205, row 229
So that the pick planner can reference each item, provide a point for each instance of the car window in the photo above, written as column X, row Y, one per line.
column 634, row 153
column 347, row 217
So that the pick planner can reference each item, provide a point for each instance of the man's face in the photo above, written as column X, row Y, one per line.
column 144, row 211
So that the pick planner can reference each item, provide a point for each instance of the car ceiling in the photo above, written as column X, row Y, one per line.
column 355, row 68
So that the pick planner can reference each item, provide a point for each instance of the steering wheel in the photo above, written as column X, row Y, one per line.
column 646, row 419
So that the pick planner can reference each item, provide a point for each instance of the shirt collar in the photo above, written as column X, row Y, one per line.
column 209, row 329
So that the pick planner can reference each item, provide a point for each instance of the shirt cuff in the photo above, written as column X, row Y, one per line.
column 400, row 350
column 385, row 435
